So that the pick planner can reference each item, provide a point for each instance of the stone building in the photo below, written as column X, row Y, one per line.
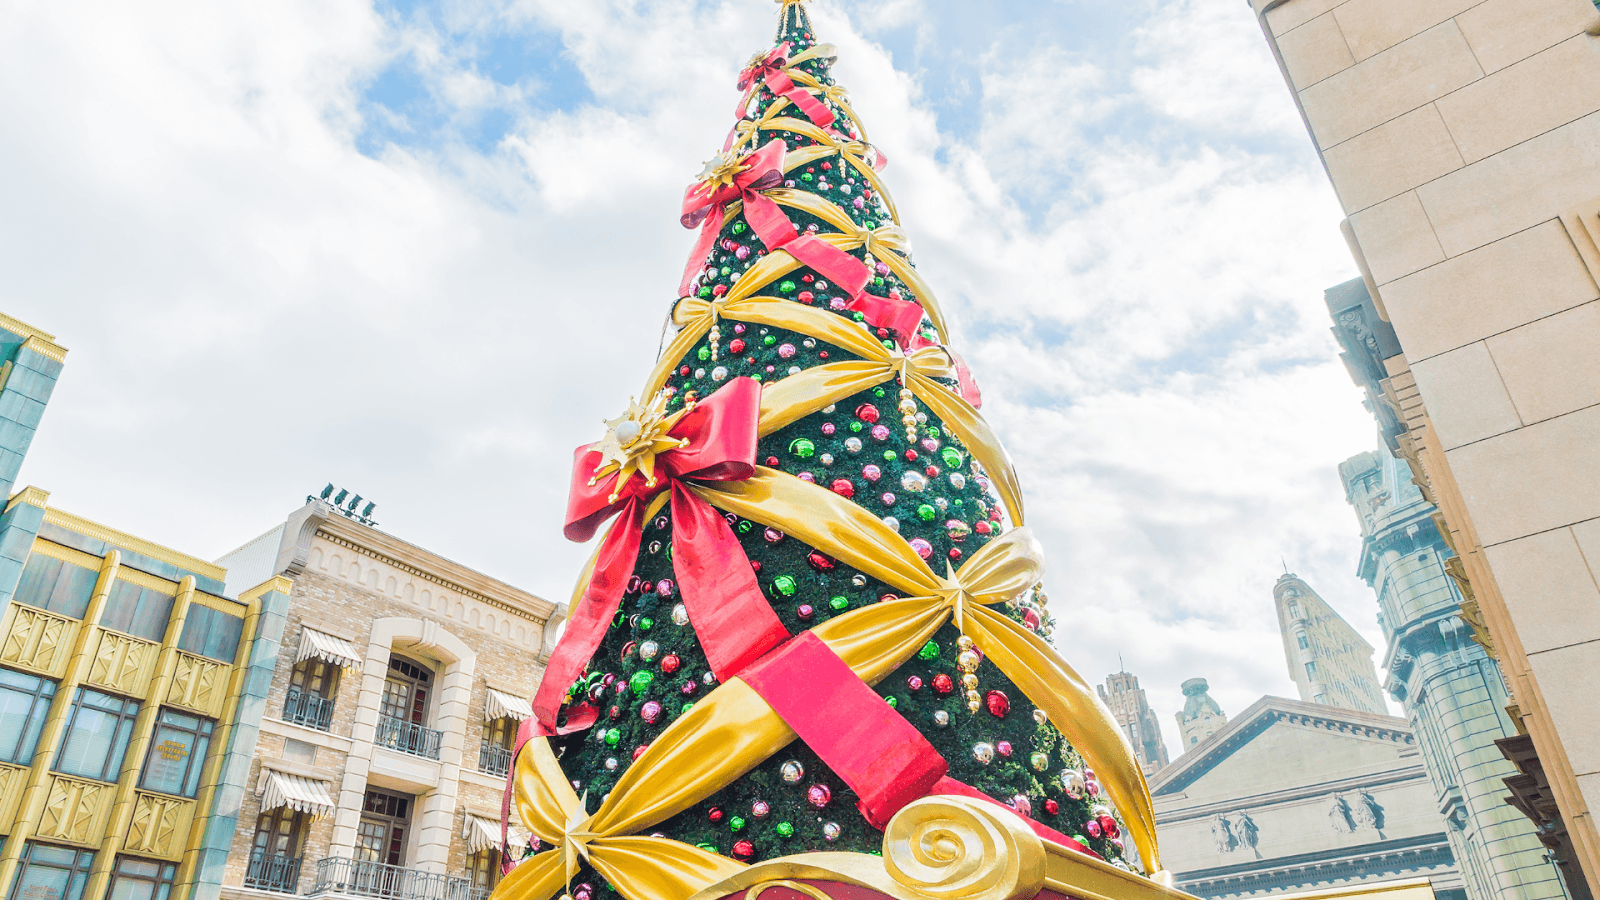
column 1126, row 700
column 1462, row 138
column 390, row 716
column 1200, row 717
column 1452, row 693
column 1329, row 662
column 1295, row 797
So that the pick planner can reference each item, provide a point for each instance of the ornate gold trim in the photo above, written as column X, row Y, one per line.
column 47, row 349
column 146, row 580
column 138, row 545
column 30, row 495
column 46, row 547
column 220, row 604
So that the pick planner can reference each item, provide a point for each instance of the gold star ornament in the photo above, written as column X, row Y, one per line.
column 635, row 438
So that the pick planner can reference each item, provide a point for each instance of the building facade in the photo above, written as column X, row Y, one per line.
column 392, row 706
column 1200, row 717
column 1329, row 662
column 1293, row 797
column 1463, row 140
column 1126, row 700
column 1451, row 690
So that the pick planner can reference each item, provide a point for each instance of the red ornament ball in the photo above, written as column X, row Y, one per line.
column 805, row 611
column 1003, row 748
column 743, row 850
column 982, row 528
column 867, row 413
column 772, row 462
column 1051, row 807
column 1108, row 825
column 670, row 663
column 997, row 703
column 818, row 795
column 943, row 683
column 614, row 712
column 911, row 456
column 955, row 552
column 1030, row 619
column 820, row 561
column 735, row 346
column 639, row 751
column 715, row 814
column 843, row 488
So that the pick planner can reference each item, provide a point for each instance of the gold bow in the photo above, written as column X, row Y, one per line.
column 828, row 144
column 790, row 399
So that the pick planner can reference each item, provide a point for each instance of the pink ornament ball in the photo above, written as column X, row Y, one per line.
column 818, row 795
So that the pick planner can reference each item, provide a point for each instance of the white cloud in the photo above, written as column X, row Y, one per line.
column 1133, row 247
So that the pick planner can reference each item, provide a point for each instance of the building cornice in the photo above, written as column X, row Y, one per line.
column 1290, row 797
column 1410, row 851
column 452, row 576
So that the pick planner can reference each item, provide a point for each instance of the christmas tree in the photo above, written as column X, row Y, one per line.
column 815, row 600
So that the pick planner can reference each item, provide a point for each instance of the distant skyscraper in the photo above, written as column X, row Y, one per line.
column 1122, row 693
column 1328, row 660
column 1450, row 688
column 1200, row 717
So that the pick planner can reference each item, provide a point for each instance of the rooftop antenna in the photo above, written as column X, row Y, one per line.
column 1285, row 565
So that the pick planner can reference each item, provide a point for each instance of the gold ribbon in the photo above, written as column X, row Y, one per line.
column 789, row 399
column 828, row 144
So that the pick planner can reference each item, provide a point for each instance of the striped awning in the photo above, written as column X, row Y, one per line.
column 302, row 794
column 315, row 644
column 484, row 834
column 500, row 705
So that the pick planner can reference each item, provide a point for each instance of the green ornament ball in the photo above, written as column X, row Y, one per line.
column 803, row 448
column 840, row 603
column 613, row 737
column 736, row 824
column 785, row 585
column 927, row 513
column 952, row 457
column 640, row 682
column 930, row 650
column 784, row 830
column 646, row 623
column 786, row 287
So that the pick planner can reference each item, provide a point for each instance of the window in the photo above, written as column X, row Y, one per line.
column 381, row 835
column 97, row 735
column 177, row 754
column 140, row 611
column 140, row 879
column 309, row 700
column 1311, row 670
column 1294, row 609
column 46, row 872
column 406, row 691
column 499, row 736
column 58, row 586
column 211, row 633
column 275, row 853
column 24, row 702
column 1304, row 643
column 484, row 868
column 1193, row 741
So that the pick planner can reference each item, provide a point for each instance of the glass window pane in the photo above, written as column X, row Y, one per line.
column 73, row 590
column 120, row 605
column 150, row 618
column 97, row 736
column 210, row 633
column 167, row 768
column 38, row 580
column 24, row 701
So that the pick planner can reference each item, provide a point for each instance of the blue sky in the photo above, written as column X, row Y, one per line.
column 423, row 249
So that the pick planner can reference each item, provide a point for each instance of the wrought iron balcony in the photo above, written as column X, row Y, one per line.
column 308, row 709
column 363, row 878
column 398, row 734
column 494, row 759
column 273, row 872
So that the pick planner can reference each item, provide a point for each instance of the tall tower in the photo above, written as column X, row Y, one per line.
column 1328, row 660
column 1449, row 686
column 1122, row 693
column 1200, row 717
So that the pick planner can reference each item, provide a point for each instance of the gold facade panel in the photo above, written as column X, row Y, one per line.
column 75, row 811
column 138, row 545
column 199, row 684
column 13, row 779
column 124, row 664
column 160, row 826
column 37, row 640
column 67, row 554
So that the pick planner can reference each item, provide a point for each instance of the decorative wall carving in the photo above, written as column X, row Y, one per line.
column 12, row 781
column 123, row 663
column 38, row 640
column 199, row 684
column 75, row 810
column 160, row 825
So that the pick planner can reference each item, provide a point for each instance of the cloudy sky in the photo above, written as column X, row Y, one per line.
column 422, row 249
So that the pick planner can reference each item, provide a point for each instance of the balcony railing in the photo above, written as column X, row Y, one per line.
column 398, row 734
column 273, row 872
column 308, row 709
column 363, row 878
column 494, row 759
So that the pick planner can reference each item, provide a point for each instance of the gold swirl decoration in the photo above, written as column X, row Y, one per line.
column 955, row 848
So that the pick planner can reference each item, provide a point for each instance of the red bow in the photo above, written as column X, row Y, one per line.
column 704, row 202
column 768, row 69
column 730, row 616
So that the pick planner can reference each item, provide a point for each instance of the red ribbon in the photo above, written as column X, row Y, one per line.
column 886, row 761
column 730, row 615
column 703, row 206
column 769, row 70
